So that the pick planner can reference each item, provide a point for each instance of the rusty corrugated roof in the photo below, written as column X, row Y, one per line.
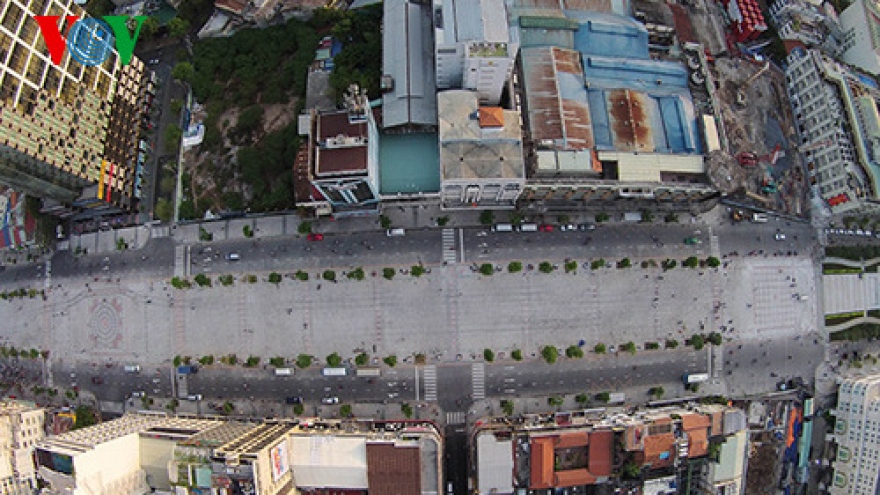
column 629, row 122
column 393, row 470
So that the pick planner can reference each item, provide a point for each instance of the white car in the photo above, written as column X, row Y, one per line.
column 330, row 400
column 567, row 226
column 137, row 394
column 780, row 236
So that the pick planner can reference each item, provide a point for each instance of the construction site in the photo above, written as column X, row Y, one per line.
column 755, row 162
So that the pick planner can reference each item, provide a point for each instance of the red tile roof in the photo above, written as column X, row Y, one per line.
column 694, row 421
column 574, row 477
column 541, row 463
column 491, row 117
column 569, row 440
column 601, row 453
column 656, row 446
column 393, row 470
column 698, row 445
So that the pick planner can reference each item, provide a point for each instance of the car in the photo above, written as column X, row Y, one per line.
column 545, row 228
column 138, row 394
column 587, row 226
column 850, row 232
column 779, row 236
column 860, row 232
column 567, row 227
column 330, row 400
column 194, row 397
column 690, row 241
column 293, row 400
column 154, row 61
column 315, row 237
column 612, row 349
column 233, row 257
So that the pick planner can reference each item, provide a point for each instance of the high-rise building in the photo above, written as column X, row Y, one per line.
column 21, row 426
column 856, row 467
column 69, row 133
column 860, row 26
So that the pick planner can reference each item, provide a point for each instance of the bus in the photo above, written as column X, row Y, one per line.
column 368, row 372
column 334, row 372
column 689, row 378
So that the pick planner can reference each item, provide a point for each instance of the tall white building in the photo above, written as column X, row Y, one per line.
column 839, row 126
column 860, row 23
column 21, row 427
column 472, row 47
column 857, row 467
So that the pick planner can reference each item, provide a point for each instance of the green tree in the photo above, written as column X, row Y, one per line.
column 582, row 399
column 692, row 262
column 603, row 397
column 303, row 361
column 657, row 392
column 178, row 27
column 226, row 280
column 406, row 409
column 417, row 270
column 697, row 342
column 647, row 217
column 277, row 361
column 304, row 228
column 301, row 276
column 299, row 409
column 329, row 275
column 252, row 362
column 164, row 210
column 247, row 231
column 167, row 185
column 357, row 274
column 669, row 264
column 391, row 360
column 714, row 338
column 487, row 217
column 203, row 280
column 345, row 411
column 489, row 355
column 574, row 352
column 596, row 264
column 362, row 359
column 671, row 218
column 442, row 221
column 275, row 278
column 334, row 360
column 507, row 407
column 177, row 361
column 172, row 405
column 600, row 348
column 487, row 269
column 388, row 273
column 545, row 267
column 602, row 217
column 173, row 133
column 516, row 355
column 385, row 222
column 571, row 266
column 555, row 401
column 629, row 347
column 550, row 353
column 85, row 417
column 515, row 267
column 713, row 262
column 671, row 343
column 228, row 407
column 183, row 71
column 624, row 263
column 631, row 470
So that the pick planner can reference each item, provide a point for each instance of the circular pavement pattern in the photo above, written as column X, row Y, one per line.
column 105, row 325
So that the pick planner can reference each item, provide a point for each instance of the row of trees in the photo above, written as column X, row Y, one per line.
column 487, row 217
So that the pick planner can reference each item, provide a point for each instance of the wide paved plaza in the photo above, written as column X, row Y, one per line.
column 451, row 313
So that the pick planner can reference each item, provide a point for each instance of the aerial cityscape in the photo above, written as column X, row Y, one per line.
column 439, row 247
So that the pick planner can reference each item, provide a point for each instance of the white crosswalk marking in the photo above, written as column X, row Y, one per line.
column 456, row 418
column 430, row 383
column 714, row 246
column 478, row 380
column 450, row 252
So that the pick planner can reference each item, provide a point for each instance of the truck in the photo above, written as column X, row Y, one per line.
column 368, row 372
column 187, row 369
column 690, row 378
column 334, row 372
column 617, row 398
column 283, row 371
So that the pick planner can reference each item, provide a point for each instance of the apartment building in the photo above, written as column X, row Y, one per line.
column 21, row 427
column 69, row 133
column 856, row 433
column 860, row 27
column 839, row 126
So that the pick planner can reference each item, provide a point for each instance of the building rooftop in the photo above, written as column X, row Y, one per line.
column 330, row 461
column 83, row 440
column 222, row 433
column 257, row 438
column 496, row 464
column 550, row 455
column 408, row 60
column 469, row 151
column 342, row 144
column 479, row 20
column 393, row 469
column 409, row 163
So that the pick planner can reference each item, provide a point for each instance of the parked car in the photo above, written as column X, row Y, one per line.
column 587, row 226
column 567, row 227
column 315, row 237
column 293, row 400
column 779, row 236
column 691, row 241
column 137, row 394
column 546, row 228
column 330, row 400
column 233, row 257
column 194, row 397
